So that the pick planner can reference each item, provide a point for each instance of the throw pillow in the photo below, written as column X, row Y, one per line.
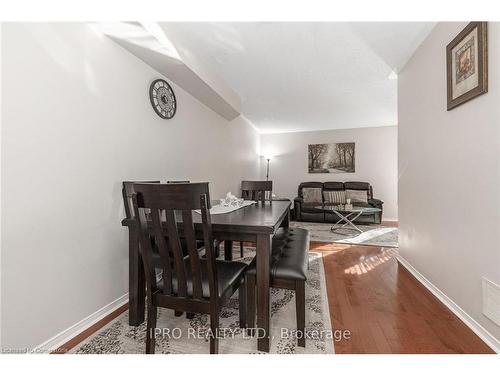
column 334, row 196
column 357, row 196
column 312, row 195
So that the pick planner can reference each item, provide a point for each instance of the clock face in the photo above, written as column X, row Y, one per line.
column 162, row 99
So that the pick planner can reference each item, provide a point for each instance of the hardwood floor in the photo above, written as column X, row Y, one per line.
column 385, row 308
column 90, row 331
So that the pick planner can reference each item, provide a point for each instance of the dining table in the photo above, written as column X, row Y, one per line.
column 255, row 223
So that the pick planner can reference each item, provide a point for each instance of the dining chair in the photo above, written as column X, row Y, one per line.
column 127, row 192
column 257, row 191
column 217, row 242
column 192, row 283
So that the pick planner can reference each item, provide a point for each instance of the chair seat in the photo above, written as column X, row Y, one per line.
column 228, row 274
column 289, row 255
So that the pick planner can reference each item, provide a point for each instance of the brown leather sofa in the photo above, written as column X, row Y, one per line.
column 310, row 212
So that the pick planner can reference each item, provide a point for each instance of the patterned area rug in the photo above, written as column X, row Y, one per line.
column 117, row 337
column 373, row 235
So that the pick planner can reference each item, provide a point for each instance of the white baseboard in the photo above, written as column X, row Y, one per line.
column 479, row 330
column 389, row 219
column 66, row 335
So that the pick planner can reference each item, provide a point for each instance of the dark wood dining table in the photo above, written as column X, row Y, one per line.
column 255, row 223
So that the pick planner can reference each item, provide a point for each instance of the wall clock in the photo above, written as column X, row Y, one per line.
column 162, row 98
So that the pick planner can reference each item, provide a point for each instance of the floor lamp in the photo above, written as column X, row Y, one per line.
column 267, row 170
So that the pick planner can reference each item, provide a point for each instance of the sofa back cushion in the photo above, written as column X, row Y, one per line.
column 309, row 185
column 356, row 185
column 312, row 195
column 334, row 196
column 357, row 196
column 333, row 185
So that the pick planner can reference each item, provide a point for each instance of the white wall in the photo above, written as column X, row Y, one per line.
column 76, row 122
column 376, row 161
column 0, row 185
column 449, row 175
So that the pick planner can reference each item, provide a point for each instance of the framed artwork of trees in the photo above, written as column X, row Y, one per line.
column 332, row 158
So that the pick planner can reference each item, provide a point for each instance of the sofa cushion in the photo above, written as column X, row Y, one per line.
column 303, row 185
column 356, row 185
column 312, row 195
column 334, row 196
column 362, row 204
column 333, row 185
column 312, row 208
column 357, row 196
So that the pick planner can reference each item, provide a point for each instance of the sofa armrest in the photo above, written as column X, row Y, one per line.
column 297, row 213
column 375, row 202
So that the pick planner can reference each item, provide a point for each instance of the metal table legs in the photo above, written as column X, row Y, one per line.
column 346, row 220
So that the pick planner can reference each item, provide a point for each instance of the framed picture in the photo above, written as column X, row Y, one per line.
column 467, row 64
column 332, row 158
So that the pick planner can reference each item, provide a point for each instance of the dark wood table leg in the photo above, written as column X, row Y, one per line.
column 217, row 249
column 228, row 250
column 263, row 291
column 136, row 281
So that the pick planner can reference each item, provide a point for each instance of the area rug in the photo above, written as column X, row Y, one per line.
column 373, row 235
column 117, row 337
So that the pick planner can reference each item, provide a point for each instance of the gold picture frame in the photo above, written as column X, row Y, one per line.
column 467, row 64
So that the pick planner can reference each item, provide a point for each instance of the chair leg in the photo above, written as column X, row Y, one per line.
column 214, row 327
column 243, row 305
column 150, row 329
column 300, row 307
column 250, row 316
column 241, row 249
column 217, row 250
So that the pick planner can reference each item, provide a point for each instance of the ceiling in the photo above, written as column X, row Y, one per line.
column 306, row 76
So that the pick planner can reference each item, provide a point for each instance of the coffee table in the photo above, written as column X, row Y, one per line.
column 347, row 216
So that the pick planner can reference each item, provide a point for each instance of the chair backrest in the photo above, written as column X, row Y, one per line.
column 163, row 200
column 256, row 190
column 127, row 191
